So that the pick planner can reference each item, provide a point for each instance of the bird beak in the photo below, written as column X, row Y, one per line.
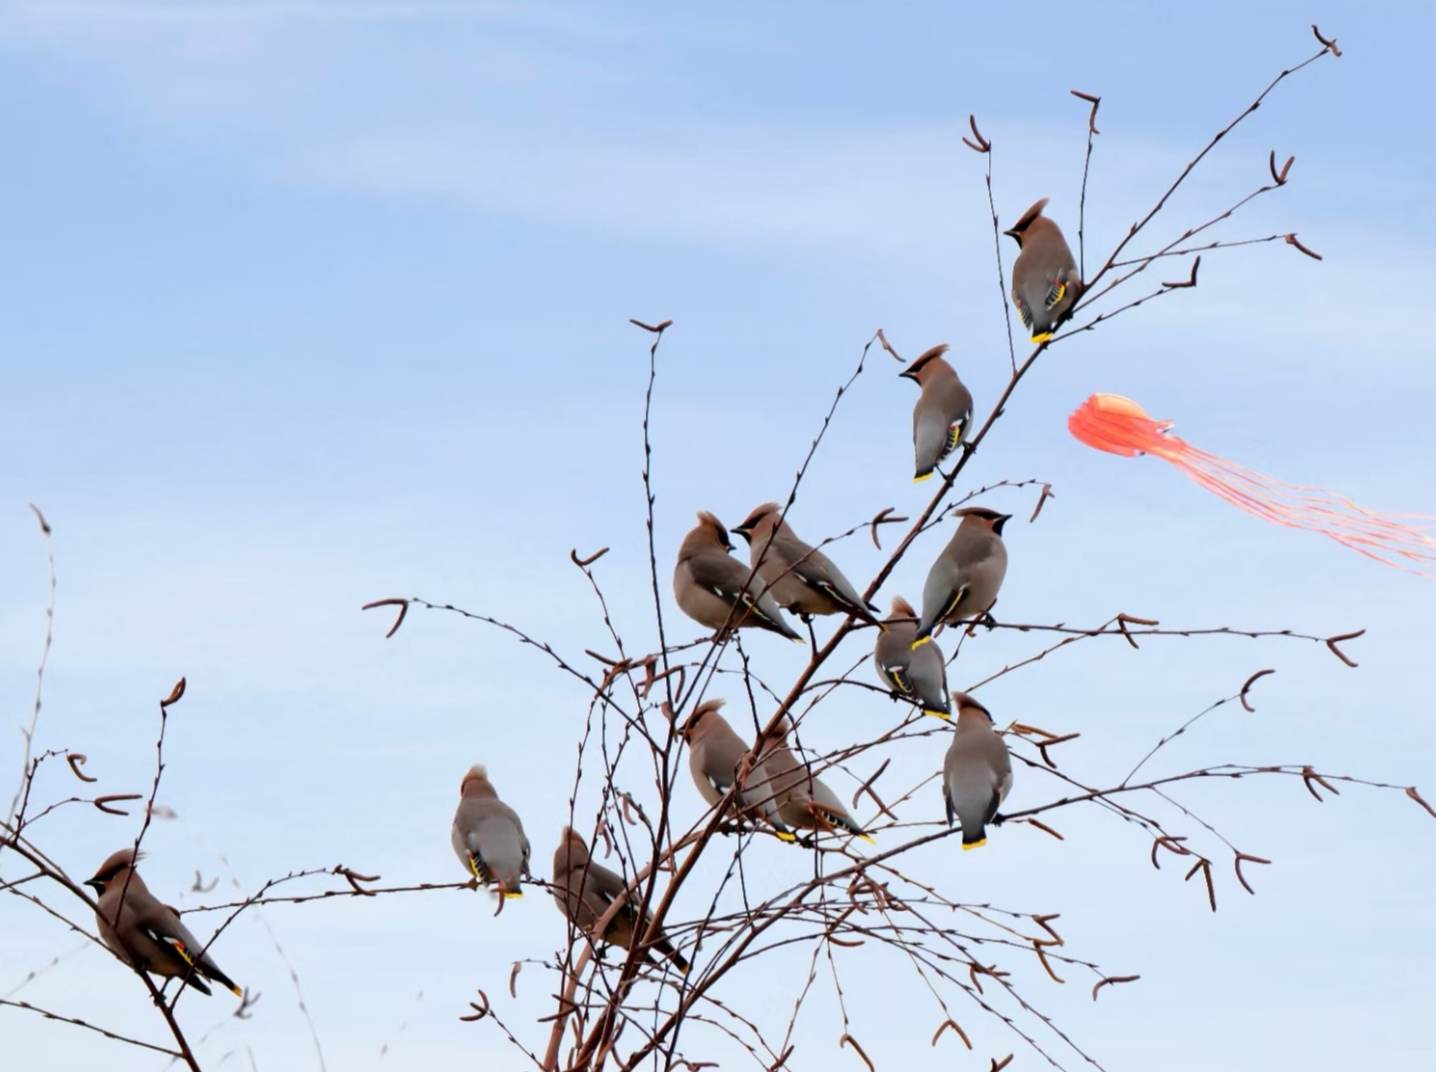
column 907, row 374
column 96, row 885
column 997, row 525
column 1015, row 235
column 745, row 533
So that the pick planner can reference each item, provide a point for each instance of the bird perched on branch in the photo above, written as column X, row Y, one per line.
column 977, row 773
column 965, row 579
column 716, row 590
column 801, row 578
column 584, row 889
column 714, row 754
column 146, row 934
column 488, row 836
column 917, row 674
column 804, row 802
column 942, row 414
column 1045, row 283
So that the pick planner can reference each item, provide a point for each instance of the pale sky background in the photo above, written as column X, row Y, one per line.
column 309, row 303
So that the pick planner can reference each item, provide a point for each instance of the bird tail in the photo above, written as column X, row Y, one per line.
column 978, row 840
column 919, row 477
column 833, row 818
column 678, row 960
column 946, row 716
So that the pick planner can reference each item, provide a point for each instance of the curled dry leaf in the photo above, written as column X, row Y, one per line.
column 402, row 604
column 1093, row 100
column 1046, row 965
column 1190, row 281
column 1292, row 240
column 76, row 761
column 44, row 525
column 582, row 563
column 998, row 1066
column 981, row 145
column 1044, row 921
column 956, row 1027
column 1044, row 828
column 1246, row 685
column 848, row 1040
column 1047, row 493
column 1329, row 42
column 1244, row 857
column 1411, row 792
column 657, row 329
column 883, row 341
column 1111, row 979
column 1333, row 641
column 176, row 694
column 480, row 1011
column 1279, row 177
column 105, row 803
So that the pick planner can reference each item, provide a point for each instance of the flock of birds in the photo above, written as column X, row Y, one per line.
column 771, row 788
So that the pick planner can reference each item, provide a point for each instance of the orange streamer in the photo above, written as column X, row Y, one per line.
column 1120, row 426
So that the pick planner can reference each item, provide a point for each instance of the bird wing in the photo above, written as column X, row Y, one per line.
column 727, row 579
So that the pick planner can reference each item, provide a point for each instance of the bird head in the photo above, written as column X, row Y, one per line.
column 982, row 516
column 1019, row 229
column 114, row 867
column 902, row 609
column 702, row 718
column 963, row 703
column 762, row 518
column 476, row 782
column 926, row 363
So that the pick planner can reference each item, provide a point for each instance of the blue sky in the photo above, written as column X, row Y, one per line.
column 311, row 303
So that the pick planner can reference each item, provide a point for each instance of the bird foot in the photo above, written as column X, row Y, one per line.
column 997, row 819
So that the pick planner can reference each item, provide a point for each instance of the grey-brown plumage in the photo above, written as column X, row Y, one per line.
column 943, row 412
column 716, row 590
column 804, row 802
column 965, row 579
column 714, row 755
column 917, row 674
column 488, row 837
column 584, row 889
column 146, row 934
column 801, row 578
column 977, row 773
column 1045, row 281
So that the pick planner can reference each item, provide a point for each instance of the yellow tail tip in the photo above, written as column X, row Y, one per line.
column 799, row 640
column 237, row 992
column 789, row 837
column 869, row 839
column 919, row 642
column 1041, row 338
column 945, row 716
column 513, row 895
column 920, row 477
column 968, row 846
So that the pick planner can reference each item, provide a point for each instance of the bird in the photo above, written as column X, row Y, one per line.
column 917, row 674
column 977, row 773
column 965, row 579
column 943, row 412
column 146, row 934
column 1045, row 283
column 714, row 753
column 801, row 578
column 487, row 835
column 584, row 889
column 804, row 802
column 718, row 591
